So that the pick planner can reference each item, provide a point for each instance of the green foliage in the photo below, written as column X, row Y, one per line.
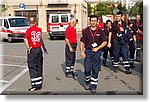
column 104, row 9
column 89, row 9
column 122, row 9
column 136, row 9
column 3, row 8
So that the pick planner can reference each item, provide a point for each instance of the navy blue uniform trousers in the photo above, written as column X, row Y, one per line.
column 92, row 64
column 120, row 49
column 35, row 65
column 139, row 49
column 70, row 57
column 131, row 51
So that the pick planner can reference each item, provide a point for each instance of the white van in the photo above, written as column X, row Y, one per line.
column 57, row 24
column 12, row 28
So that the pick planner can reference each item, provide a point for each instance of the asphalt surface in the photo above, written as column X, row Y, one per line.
column 15, row 79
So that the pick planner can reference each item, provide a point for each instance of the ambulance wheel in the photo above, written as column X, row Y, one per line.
column 3, row 40
column 10, row 39
column 51, row 37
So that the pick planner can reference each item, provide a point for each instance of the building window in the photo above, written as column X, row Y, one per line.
column 26, row 13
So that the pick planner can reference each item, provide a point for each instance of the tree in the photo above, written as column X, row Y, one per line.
column 3, row 8
column 136, row 9
column 89, row 9
column 104, row 9
column 122, row 9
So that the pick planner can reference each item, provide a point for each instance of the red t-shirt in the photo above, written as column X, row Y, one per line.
column 33, row 35
column 71, row 34
column 101, row 25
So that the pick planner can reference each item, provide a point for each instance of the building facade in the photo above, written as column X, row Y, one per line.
column 42, row 8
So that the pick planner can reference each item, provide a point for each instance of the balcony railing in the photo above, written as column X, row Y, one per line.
column 58, row 1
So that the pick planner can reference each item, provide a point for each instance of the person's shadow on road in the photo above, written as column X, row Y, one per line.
column 79, row 73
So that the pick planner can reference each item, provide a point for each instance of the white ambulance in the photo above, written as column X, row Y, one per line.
column 57, row 24
column 12, row 28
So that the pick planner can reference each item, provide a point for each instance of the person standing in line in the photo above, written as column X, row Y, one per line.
column 34, row 55
column 70, row 49
column 118, row 39
column 107, row 28
column 138, row 24
column 132, row 43
column 93, row 40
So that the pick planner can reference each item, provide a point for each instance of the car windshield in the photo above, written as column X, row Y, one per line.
column 18, row 22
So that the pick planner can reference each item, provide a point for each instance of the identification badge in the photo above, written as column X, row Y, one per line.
column 94, row 45
column 98, row 34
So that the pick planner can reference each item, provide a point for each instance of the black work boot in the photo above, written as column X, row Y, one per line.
column 132, row 65
column 128, row 71
column 115, row 69
column 87, row 85
column 104, row 63
column 34, row 89
column 93, row 89
column 69, row 75
column 74, row 75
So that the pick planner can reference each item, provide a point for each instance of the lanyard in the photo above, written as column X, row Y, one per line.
column 119, row 25
column 93, row 35
column 108, row 29
column 137, row 24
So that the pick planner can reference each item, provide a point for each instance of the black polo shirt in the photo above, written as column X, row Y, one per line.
column 115, row 28
column 88, row 35
column 137, row 24
column 107, row 30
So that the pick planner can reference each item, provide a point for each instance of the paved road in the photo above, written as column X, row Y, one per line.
column 15, row 79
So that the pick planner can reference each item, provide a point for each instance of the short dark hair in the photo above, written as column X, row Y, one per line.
column 138, row 14
column 119, row 13
column 93, row 16
column 130, row 21
column 108, row 21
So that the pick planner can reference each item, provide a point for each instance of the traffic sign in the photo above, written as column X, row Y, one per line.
column 22, row 6
column 115, row 11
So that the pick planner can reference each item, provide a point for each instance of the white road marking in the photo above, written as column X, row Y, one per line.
column 12, row 65
column 12, row 80
column 13, row 56
column 4, row 81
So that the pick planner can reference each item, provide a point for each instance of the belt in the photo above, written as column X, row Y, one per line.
column 88, row 48
column 74, row 43
column 36, row 48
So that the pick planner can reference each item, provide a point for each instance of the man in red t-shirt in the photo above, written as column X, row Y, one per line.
column 34, row 54
column 100, row 25
column 70, row 50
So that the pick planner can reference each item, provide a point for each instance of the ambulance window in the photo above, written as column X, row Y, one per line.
column 6, row 23
column 55, row 19
column 64, row 18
